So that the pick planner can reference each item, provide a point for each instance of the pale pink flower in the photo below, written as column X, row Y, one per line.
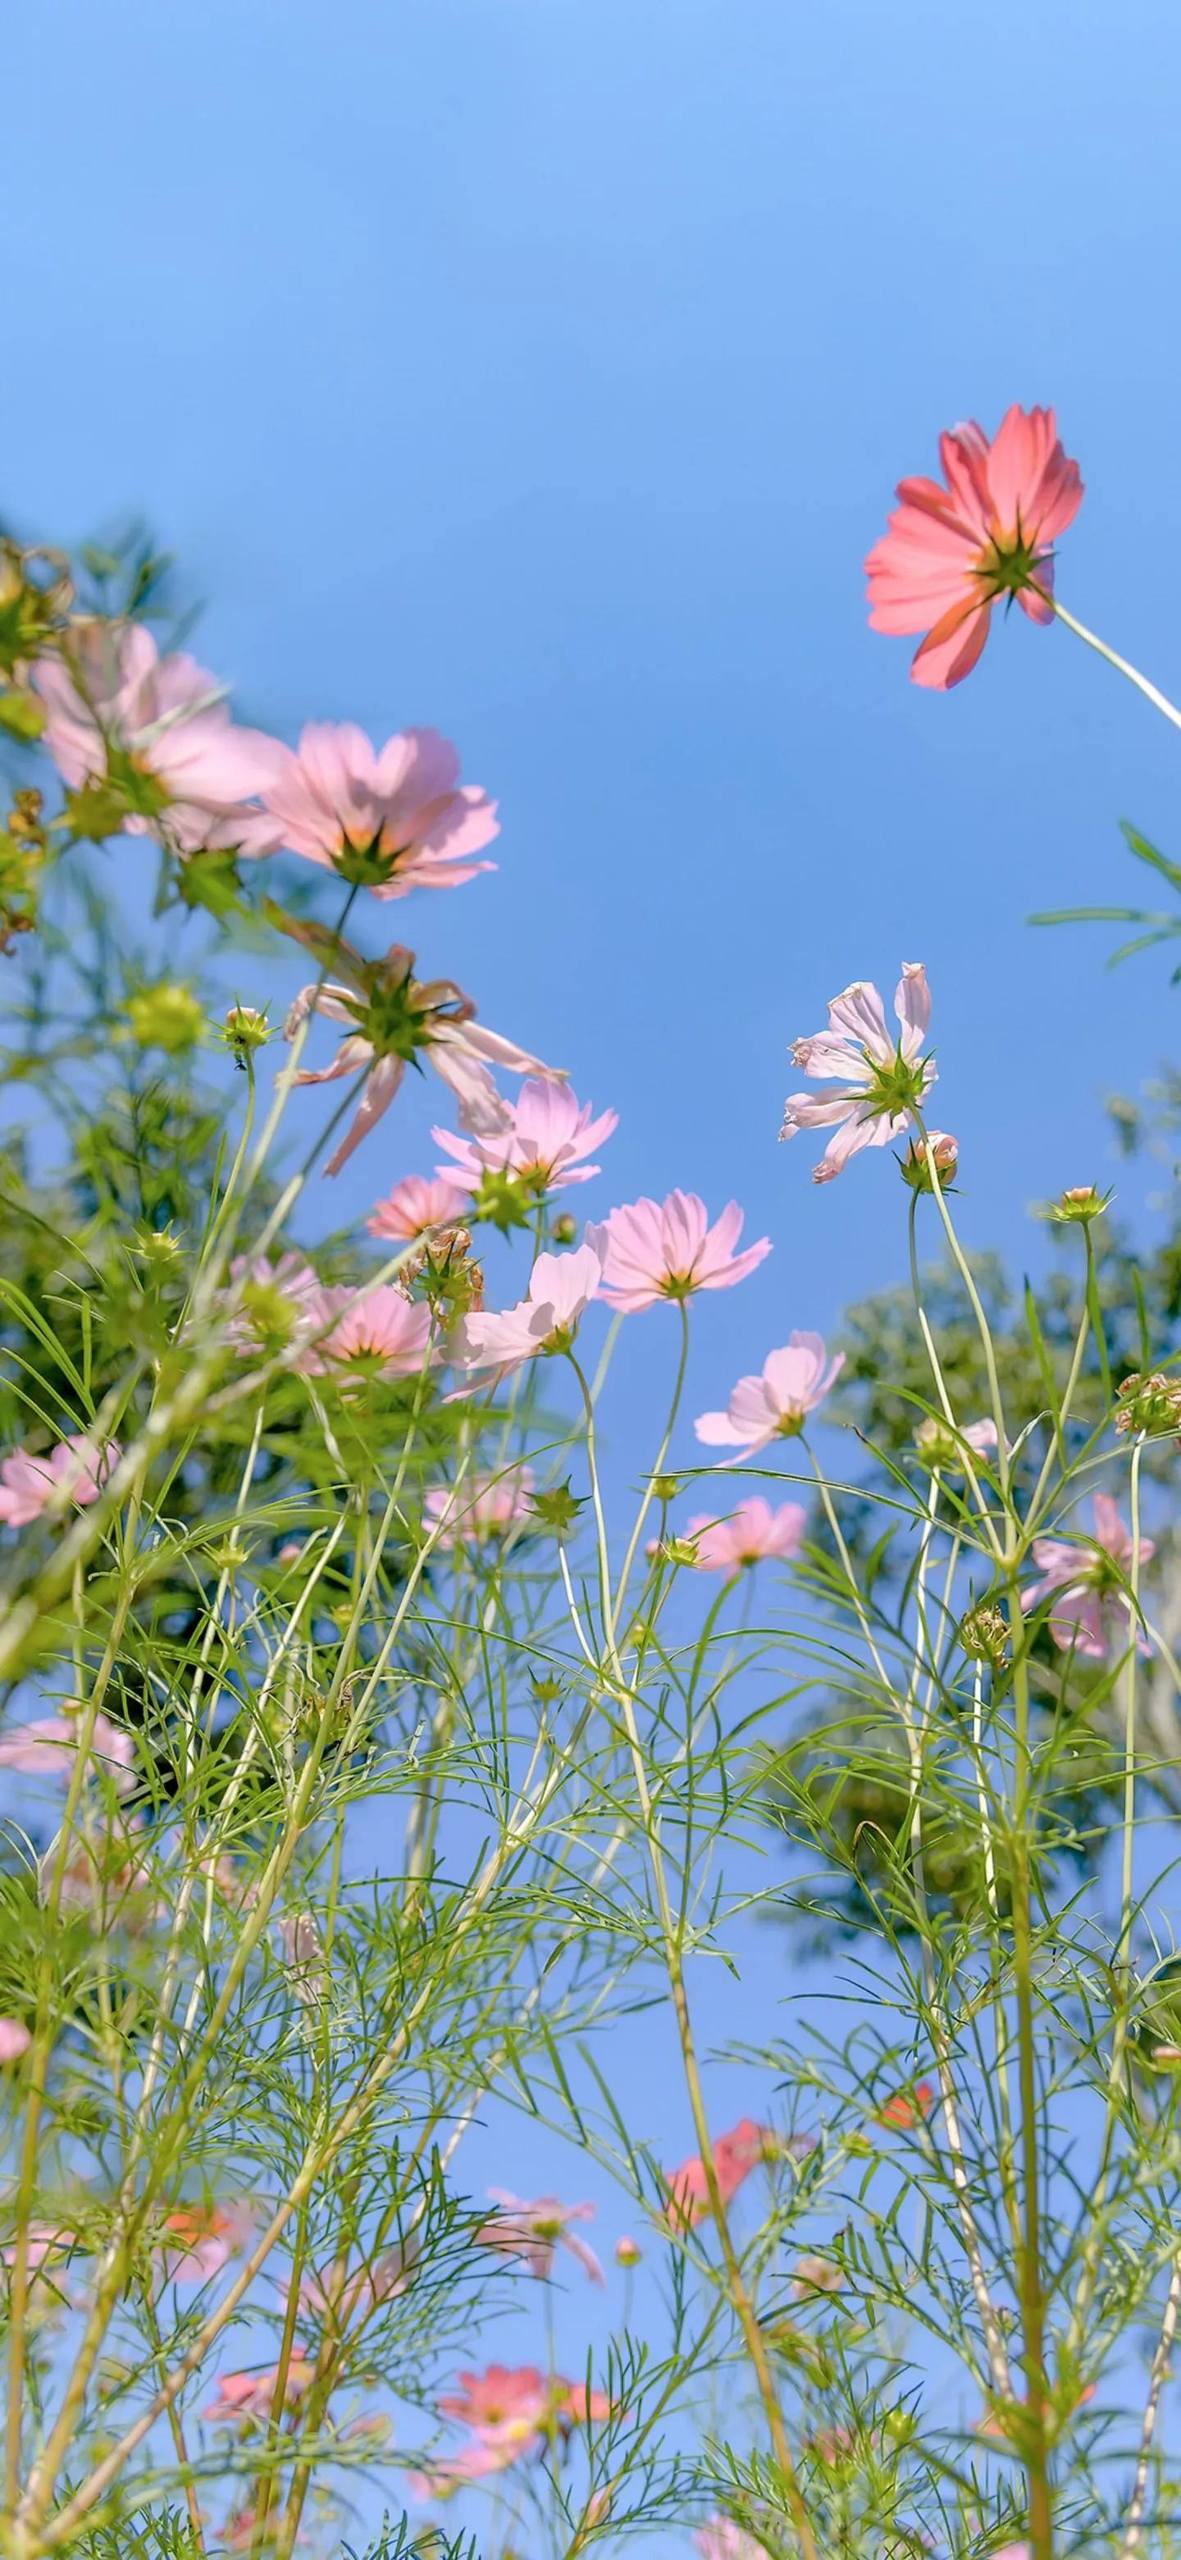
column 197, row 2241
column 44, row 1747
column 951, row 552
column 482, row 1507
column 982, row 1437
column 77, row 1469
column 883, row 1080
column 335, row 2295
column 479, row 2460
column 280, row 1301
column 655, row 1249
column 561, row 1286
column 504, row 2405
column 721, row 2539
column 1092, row 1610
column 382, row 1329
column 542, row 1143
column 166, row 718
column 249, row 2395
column 392, row 818
column 43, row 2240
column 750, row 1533
column 735, row 2154
column 533, row 2231
column 774, row 1406
column 395, row 1018
column 14, row 2039
column 417, row 1204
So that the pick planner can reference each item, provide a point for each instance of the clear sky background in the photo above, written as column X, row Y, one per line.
column 542, row 370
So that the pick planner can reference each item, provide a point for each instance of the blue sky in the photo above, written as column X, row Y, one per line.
column 542, row 370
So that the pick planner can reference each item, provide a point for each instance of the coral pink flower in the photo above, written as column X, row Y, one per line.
column 77, row 1467
column 750, row 1533
column 735, row 2154
column 951, row 552
column 542, row 1143
column 395, row 1018
column 383, row 1330
column 44, row 1747
column 14, row 2039
column 249, row 2395
column 505, row 2405
column 655, row 1249
column 1092, row 1610
column 391, row 818
column 882, row 1080
column 561, row 1286
column 774, row 1406
column 533, row 2231
column 197, row 2241
column 721, row 2539
column 578, row 2406
column 416, row 1204
column 163, row 718
column 482, row 1507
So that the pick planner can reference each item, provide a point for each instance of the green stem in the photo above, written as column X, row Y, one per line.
column 1160, row 701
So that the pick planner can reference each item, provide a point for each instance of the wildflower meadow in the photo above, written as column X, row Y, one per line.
column 377, row 1751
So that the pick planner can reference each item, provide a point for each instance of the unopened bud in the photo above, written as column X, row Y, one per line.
column 564, row 1228
column 627, row 2252
column 244, row 1030
column 1076, row 1208
column 915, row 1165
column 1151, row 1404
column 984, row 1634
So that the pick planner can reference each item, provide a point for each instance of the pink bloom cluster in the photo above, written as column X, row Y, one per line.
column 76, row 1470
column 1091, row 1609
column 882, row 1079
column 951, row 552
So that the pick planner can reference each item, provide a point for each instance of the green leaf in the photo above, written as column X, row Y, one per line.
column 21, row 714
column 1146, row 852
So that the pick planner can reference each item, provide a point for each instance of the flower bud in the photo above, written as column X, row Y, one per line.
column 244, row 1030
column 984, row 1634
column 945, row 1155
column 1077, row 1208
column 627, row 2252
column 564, row 1228
column 1151, row 1404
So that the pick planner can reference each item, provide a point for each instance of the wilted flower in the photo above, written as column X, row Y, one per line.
column 655, row 1249
column 984, row 1634
column 396, row 1019
column 541, row 1145
column 1151, row 1404
column 793, row 1382
column 1092, row 1610
column 561, row 1286
column 951, row 552
column 390, row 818
column 945, row 1155
column 381, row 1330
column 156, row 733
column 76, row 1470
column 416, row 1204
column 14, row 2039
column 303, row 1954
column 735, row 2154
column 533, row 2231
column 883, row 1080
column 751, row 1533
column 482, row 1507
column 45, row 1746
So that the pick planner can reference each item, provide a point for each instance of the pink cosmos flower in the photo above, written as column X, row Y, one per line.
column 382, row 1329
column 882, row 1080
column 542, row 1142
column 750, row 1533
column 392, row 818
column 667, row 1249
column 416, row 1204
column 533, row 2231
column 395, row 1018
column 950, row 553
column 14, row 2039
column 1092, row 1610
column 721, row 2539
column 197, row 2241
column 280, row 1301
column 333, row 2296
column 249, row 2395
column 792, row 1383
column 44, row 1747
column 77, row 1467
column 561, row 1286
column 164, row 718
column 482, row 1507
column 479, row 2460
column 735, row 2154
column 45, row 2240
column 505, row 2405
